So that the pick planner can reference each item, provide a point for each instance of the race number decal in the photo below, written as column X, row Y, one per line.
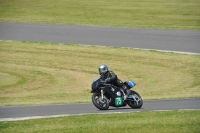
column 118, row 101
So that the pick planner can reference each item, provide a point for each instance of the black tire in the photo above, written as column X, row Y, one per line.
column 134, row 104
column 104, row 105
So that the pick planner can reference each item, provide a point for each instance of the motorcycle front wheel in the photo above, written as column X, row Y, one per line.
column 136, row 101
column 102, row 104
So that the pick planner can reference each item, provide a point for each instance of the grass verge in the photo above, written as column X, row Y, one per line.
column 168, row 14
column 47, row 73
column 142, row 122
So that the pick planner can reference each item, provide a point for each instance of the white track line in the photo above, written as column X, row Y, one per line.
column 64, row 115
column 166, row 51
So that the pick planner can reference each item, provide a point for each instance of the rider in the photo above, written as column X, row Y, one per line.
column 111, row 78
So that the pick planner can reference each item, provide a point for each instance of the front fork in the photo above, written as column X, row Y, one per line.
column 123, row 93
column 102, row 95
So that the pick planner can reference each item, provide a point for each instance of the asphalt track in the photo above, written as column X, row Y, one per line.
column 169, row 40
column 31, row 112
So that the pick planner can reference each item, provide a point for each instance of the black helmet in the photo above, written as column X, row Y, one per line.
column 103, row 69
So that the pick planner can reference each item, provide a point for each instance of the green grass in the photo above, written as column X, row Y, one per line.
column 47, row 73
column 141, row 122
column 167, row 14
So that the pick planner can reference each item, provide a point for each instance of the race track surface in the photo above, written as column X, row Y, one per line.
column 29, row 112
column 170, row 40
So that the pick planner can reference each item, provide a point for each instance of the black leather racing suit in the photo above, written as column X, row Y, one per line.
column 111, row 78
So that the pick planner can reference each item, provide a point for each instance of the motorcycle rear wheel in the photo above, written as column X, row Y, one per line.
column 102, row 104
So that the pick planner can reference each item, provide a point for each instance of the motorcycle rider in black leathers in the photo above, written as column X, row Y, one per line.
column 111, row 78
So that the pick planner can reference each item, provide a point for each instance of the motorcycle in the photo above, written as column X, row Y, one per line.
column 105, row 95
